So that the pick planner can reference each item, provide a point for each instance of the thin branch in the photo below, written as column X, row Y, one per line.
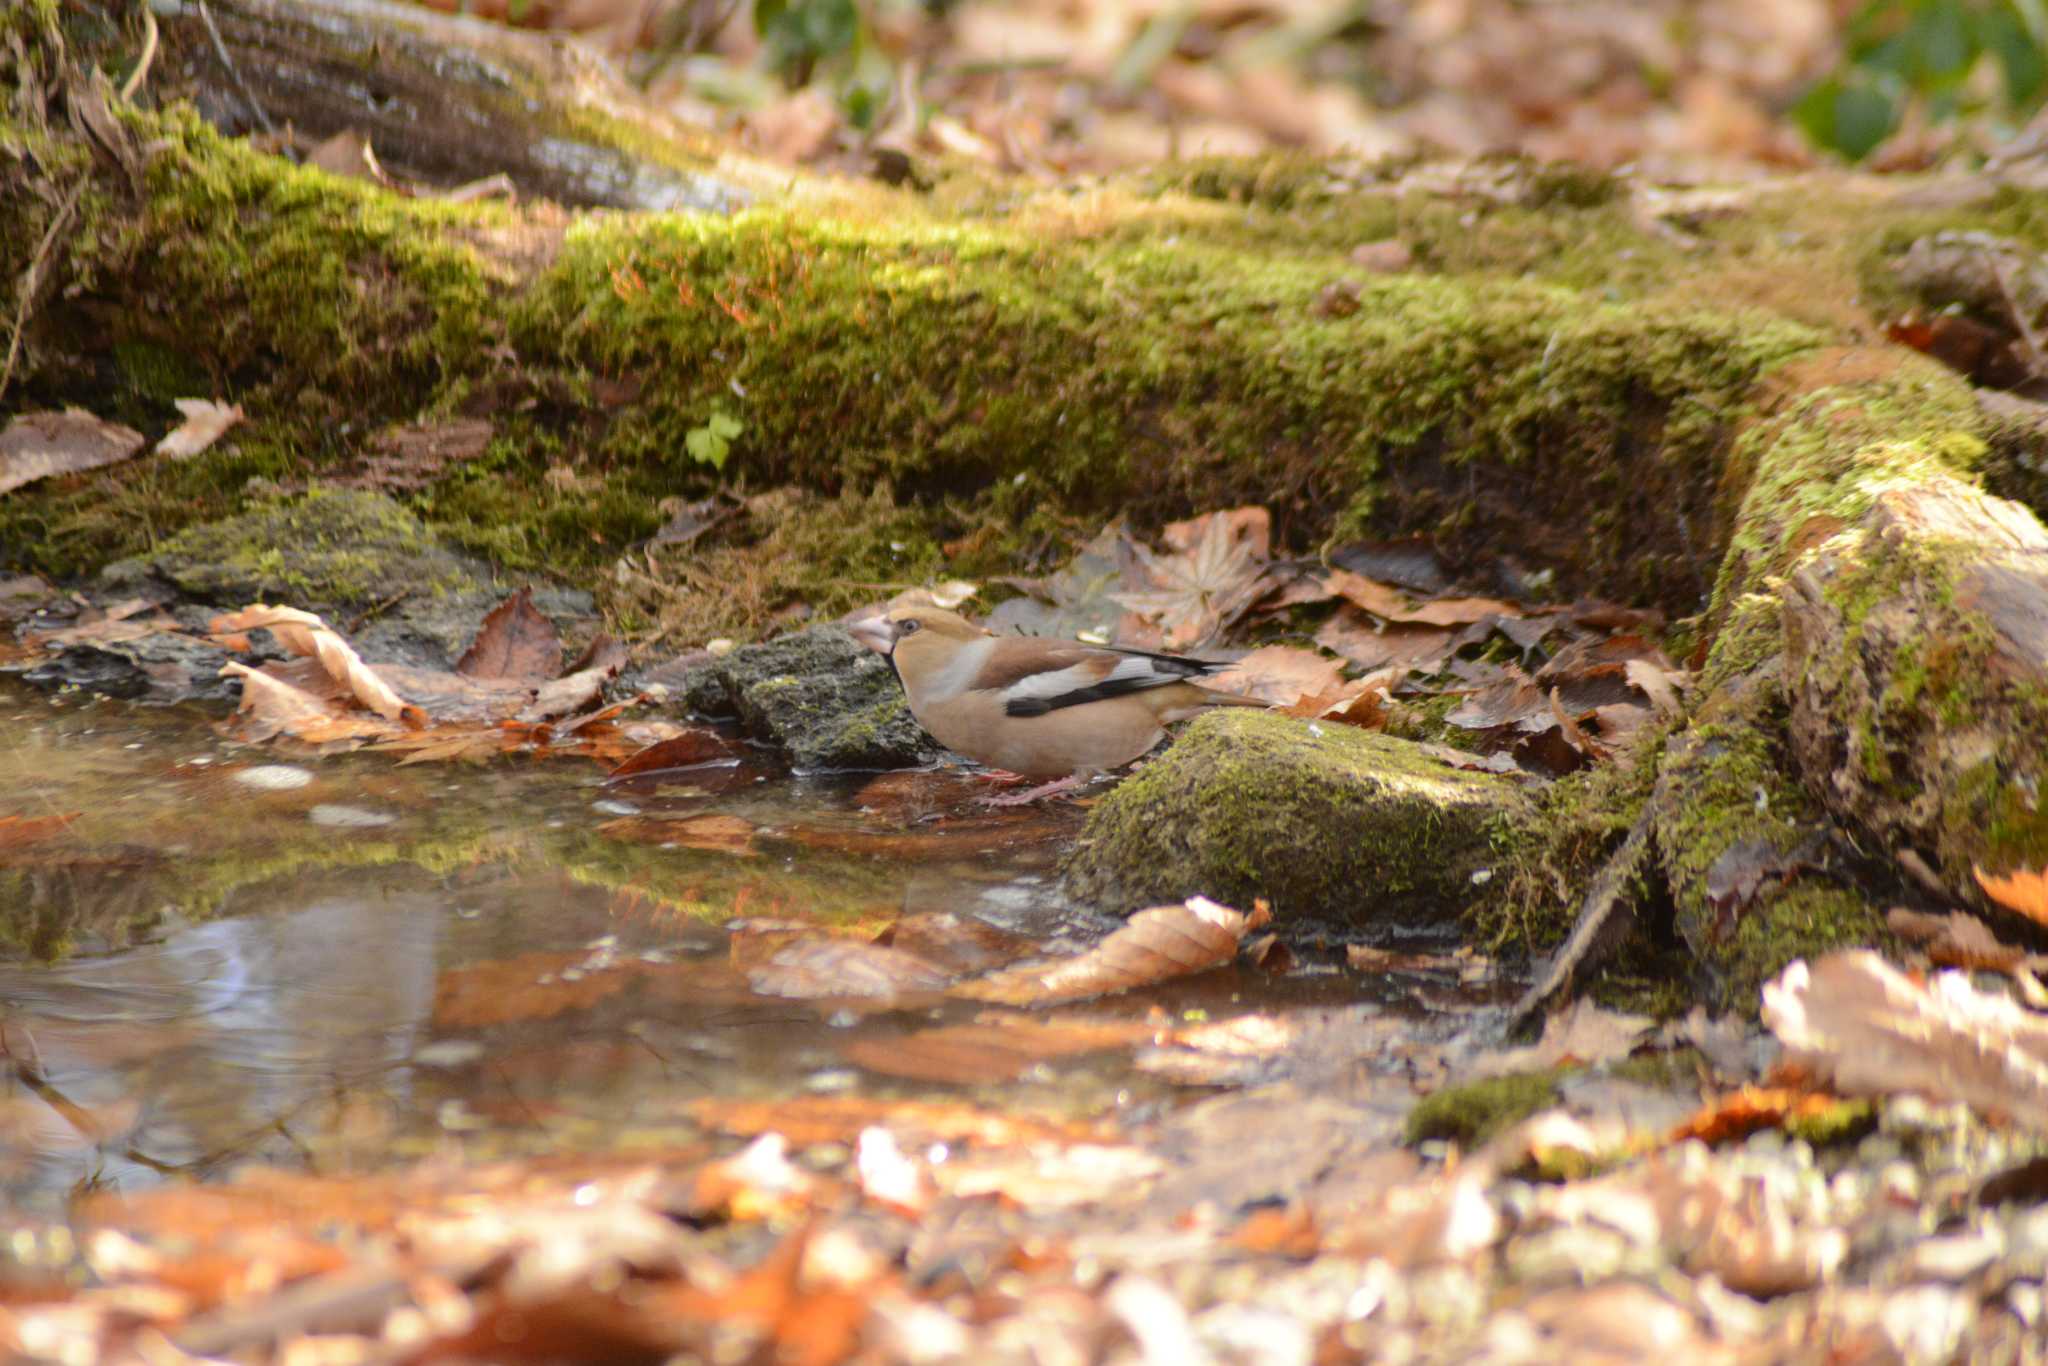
column 141, row 71
column 220, row 50
column 32, row 278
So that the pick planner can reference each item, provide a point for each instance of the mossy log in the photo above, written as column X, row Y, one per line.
column 441, row 99
column 1557, row 385
column 1917, row 645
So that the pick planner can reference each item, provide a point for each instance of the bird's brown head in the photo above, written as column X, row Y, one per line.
column 914, row 629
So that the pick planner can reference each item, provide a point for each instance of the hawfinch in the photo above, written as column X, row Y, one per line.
column 1038, row 707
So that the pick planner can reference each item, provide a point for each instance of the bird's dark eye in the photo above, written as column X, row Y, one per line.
column 907, row 627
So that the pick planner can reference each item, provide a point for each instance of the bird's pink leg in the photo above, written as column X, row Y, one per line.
column 1066, row 784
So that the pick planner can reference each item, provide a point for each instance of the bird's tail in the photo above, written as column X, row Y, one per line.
column 1211, row 697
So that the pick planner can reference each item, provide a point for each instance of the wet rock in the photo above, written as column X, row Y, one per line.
column 1328, row 823
column 160, row 667
column 378, row 573
column 817, row 695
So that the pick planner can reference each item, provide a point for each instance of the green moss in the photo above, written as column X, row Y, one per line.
column 1580, row 820
column 335, row 547
column 1468, row 1115
column 1817, row 465
column 1156, row 367
column 1843, row 1122
column 1733, row 824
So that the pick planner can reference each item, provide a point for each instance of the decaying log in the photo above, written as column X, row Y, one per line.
column 1917, row 650
column 443, row 99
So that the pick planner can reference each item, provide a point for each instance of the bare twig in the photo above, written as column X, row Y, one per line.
column 220, row 50
column 32, row 278
column 141, row 71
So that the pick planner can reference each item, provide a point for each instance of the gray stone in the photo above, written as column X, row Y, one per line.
column 374, row 570
column 818, row 696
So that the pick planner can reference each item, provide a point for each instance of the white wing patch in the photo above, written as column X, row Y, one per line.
column 1132, row 671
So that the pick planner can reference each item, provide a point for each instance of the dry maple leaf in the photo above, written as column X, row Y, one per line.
column 1202, row 590
column 2021, row 891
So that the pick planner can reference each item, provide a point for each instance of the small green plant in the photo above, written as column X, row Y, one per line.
column 711, row 443
column 1954, row 58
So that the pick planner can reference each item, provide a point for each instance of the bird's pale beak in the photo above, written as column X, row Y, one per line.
column 874, row 632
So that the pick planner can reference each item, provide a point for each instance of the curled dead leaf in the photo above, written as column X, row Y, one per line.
column 1158, row 945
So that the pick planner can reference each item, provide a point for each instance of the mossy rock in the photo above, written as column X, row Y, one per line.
column 334, row 547
column 1328, row 823
column 819, row 697
column 346, row 553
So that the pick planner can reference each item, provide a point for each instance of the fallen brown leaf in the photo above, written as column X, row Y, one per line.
column 1960, row 940
column 1280, row 674
column 205, row 423
column 960, row 944
column 1741, row 1113
column 1157, row 945
column 825, row 968
column 348, row 153
column 1867, row 1029
column 1366, row 642
column 274, row 705
column 1390, row 603
column 303, row 633
column 37, row 445
column 18, row 832
column 2022, row 891
column 711, row 831
column 806, row 1120
column 516, row 642
column 1582, row 1033
column 532, row 986
column 998, row 1046
column 695, row 747
column 758, row 1182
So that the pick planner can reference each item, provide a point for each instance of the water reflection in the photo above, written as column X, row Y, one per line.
column 338, row 963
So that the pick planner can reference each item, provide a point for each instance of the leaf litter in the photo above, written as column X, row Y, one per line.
column 834, row 1188
column 1598, row 682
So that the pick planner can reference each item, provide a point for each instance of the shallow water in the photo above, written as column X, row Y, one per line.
column 212, row 954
